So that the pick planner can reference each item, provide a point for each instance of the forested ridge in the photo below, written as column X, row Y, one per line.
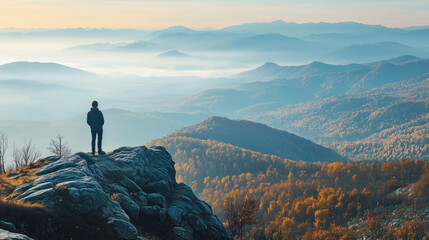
column 308, row 200
column 375, row 111
column 260, row 138
column 385, row 123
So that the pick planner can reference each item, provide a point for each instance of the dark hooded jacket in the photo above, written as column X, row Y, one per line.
column 95, row 119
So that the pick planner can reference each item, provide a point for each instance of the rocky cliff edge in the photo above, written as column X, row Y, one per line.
column 134, row 190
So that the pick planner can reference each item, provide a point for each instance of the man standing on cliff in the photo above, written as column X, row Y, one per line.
column 95, row 120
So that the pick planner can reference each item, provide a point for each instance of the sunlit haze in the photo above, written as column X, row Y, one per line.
column 290, row 119
column 182, row 61
column 206, row 13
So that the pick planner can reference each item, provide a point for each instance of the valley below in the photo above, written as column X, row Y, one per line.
column 315, row 131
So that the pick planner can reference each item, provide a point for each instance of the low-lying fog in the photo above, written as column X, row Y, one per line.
column 48, row 78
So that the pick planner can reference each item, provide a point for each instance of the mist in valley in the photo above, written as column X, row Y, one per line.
column 219, row 119
column 154, row 81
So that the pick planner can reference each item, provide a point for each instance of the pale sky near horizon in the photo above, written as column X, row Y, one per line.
column 206, row 13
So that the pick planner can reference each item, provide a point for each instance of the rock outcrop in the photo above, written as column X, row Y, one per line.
column 6, row 235
column 133, row 189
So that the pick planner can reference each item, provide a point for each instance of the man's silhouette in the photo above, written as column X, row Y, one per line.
column 95, row 120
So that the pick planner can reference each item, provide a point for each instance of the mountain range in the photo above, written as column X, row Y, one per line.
column 291, row 85
column 355, row 109
column 295, row 29
column 342, row 66
column 345, row 42
column 417, row 38
column 328, row 104
column 310, row 124
column 362, row 53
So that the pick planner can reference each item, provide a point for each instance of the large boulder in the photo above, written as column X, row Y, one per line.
column 157, row 199
column 6, row 235
column 130, row 207
column 131, row 188
column 123, row 229
column 8, row 226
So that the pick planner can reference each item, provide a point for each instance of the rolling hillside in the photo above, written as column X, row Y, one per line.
column 258, row 137
column 362, row 53
column 416, row 38
column 40, row 69
column 367, row 127
column 297, row 84
column 271, row 71
column 220, row 147
column 356, row 109
column 303, row 200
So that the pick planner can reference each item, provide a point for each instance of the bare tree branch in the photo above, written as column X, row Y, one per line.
column 29, row 153
column 3, row 149
column 17, row 158
column 59, row 147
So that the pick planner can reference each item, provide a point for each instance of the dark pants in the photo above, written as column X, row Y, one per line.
column 94, row 133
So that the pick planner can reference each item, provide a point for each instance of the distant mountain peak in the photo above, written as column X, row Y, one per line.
column 370, row 52
column 269, row 64
column 172, row 54
column 179, row 27
column 175, row 52
column 317, row 64
column 27, row 63
column 271, row 71
column 278, row 21
column 405, row 58
column 173, row 30
column 24, row 67
column 215, row 118
column 274, row 35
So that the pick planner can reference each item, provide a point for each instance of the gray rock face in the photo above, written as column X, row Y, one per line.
column 157, row 199
column 7, row 226
column 84, row 200
column 45, row 196
column 150, row 210
column 114, row 210
column 130, row 207
column 142, row 198
column 6, row 235
column 176, row 213
column 123, row 229
column 128, row 186
column 182, row 233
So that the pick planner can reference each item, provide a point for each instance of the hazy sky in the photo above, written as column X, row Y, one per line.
column 205, row 13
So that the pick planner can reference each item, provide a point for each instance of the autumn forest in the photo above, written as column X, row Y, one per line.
column 305, row 200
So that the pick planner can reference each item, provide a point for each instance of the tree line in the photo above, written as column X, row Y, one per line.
column 28, row 153
column 299, row 200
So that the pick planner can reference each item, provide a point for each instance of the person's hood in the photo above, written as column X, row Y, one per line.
column 94, row 109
